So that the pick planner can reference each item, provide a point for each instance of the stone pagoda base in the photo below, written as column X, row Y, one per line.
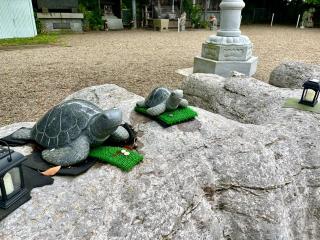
column 223, row 55
column 225, row 68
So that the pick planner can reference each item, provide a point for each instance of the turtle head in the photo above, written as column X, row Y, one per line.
column 174, row 99
column 105, row 123
column 177, row 94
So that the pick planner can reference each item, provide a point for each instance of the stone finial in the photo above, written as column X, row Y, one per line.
column 230, row 18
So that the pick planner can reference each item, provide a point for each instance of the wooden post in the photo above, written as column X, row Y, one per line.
column 272, row 19
column 99, row 8
column 146, row 15
column 121, row 15
column 205, row 10
column 134, row 14
column 172, row 6
column 298, row 21
column 159, row 7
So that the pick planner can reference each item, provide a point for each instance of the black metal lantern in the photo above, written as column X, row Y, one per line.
column 310, row 93
column 12, row 187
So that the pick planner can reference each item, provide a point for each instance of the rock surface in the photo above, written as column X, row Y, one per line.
column 250, row 174
column 293, row 74
column 245, row 100
column 282, row 174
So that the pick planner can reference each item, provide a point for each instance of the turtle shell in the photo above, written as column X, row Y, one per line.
column 157, row 96
column 64, row 123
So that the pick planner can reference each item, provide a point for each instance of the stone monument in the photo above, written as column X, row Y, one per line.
column 228, row 50
column 182, row 21
column 111, row 21
column 60, row 15
column 213, row 23
column 307, row 18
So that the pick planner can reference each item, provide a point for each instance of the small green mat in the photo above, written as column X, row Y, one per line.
column 171, row 118
column 294, row 103
column 114, row 156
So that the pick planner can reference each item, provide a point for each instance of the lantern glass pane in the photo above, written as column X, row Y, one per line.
column 12, row 182
column 309, row 96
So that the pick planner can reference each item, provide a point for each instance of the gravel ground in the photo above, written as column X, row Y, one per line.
column 35, row 79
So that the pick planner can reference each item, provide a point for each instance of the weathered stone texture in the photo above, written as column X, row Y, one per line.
column 293, row 74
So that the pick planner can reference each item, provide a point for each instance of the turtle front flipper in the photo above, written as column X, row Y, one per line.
column 22, row 134
column 141, row 103
column 157, row 110
column 75, row 152
column 121, row 134
column 183, row 103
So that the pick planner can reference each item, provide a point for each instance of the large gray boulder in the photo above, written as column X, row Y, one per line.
column 243, row 99
column 293, row 74
column 212, row 178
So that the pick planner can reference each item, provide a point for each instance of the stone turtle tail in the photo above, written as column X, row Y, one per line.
column 22, row 134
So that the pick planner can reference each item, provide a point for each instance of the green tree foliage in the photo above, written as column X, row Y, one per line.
column 187, row 6
column 315, row 2
column 196, row 15
column 90, row 5
column 91, row 13
column 193, row 12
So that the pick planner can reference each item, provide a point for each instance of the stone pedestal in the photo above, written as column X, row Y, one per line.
column 228, row 50
column 224, row 68
column 160, row 24
column 61, row 21
column 113, row 23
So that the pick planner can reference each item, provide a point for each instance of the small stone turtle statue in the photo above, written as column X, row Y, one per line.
column 68, row 130
column 161, row 99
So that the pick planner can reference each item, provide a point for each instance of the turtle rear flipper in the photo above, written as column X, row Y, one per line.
column 75, row 152
column 22, row 134
column 157, row 110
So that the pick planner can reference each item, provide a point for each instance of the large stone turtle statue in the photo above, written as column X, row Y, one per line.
column 161, row 99
column 68, row 130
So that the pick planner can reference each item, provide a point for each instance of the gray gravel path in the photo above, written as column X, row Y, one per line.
column 35, row 79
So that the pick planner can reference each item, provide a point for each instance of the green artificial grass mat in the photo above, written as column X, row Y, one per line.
column 171, row 118
column 294, row 103
column 115, row 157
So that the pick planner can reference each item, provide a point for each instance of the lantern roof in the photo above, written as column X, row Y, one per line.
column 313, row 84
column 6, row 163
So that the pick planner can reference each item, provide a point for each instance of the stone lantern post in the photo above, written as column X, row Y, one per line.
column 228, row 50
